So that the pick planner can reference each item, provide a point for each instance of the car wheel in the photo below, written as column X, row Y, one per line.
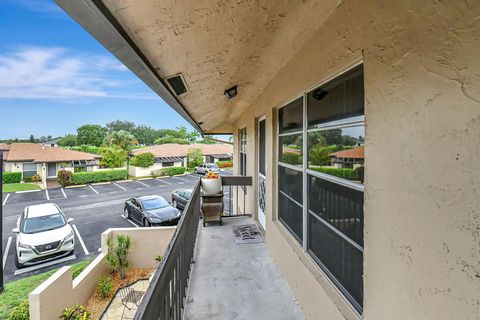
column 18, row 265
column 126, row 214
column 146, row 223
column 174, row 204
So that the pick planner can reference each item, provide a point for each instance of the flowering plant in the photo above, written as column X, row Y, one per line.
column 211, row 175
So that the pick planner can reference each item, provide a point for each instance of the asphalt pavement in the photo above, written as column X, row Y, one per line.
column 94, row 208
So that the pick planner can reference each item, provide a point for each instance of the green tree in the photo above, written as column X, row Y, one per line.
column 91, row 134
column 207, row 140
column 117, row 256
column 170, row 139
column 122, row 139
column 143, row 160
column 194, row 157
column 118, row 125
column 146, row 135
column 32, row 138
column 69, row 140
column 113, row 157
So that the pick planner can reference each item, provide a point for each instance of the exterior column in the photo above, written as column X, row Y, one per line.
column 44, row 175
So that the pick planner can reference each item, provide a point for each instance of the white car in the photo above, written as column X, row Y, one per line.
column 43, row 233
column 207, row 167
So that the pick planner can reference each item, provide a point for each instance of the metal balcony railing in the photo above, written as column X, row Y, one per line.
column 165, row 297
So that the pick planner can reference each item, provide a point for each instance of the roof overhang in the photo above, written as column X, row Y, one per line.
column 213, row 44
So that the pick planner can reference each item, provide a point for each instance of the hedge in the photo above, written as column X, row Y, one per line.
column 143, row 160
column 12, row 177
column 345, row 173
column 171, row 171
column 98, row 176
column 224, row 164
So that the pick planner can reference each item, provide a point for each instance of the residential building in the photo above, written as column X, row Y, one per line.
column 33, row 159
column 402, row 74
column 175, row 155
column 351, row 158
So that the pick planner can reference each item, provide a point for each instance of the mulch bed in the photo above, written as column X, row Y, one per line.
column 96, row 304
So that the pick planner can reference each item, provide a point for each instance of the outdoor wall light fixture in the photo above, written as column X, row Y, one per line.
column 230, row 93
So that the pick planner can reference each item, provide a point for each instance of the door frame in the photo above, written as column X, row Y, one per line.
column 48, row 168
column 261, row 214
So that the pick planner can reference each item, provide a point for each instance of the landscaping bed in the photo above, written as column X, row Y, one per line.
column 96, row 304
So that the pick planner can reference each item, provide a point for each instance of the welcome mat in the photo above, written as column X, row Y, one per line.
column 247, row 233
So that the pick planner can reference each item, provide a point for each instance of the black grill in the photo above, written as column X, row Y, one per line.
column 47, row 247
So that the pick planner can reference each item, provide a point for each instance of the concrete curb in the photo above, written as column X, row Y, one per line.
column 27, row 191
column 77, row 186
column 100, row 183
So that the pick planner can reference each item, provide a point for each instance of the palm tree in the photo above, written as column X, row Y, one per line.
column 121, row 138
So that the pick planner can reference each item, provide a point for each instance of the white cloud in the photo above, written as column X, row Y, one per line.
column 57, row 73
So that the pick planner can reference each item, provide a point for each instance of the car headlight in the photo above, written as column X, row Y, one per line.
column 69, row 237
column 24, row 246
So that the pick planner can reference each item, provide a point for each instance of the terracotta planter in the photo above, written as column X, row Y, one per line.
column 211, row 187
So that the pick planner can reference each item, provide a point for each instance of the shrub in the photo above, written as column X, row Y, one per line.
column 224, row 164
column 345, row 173
column 292, row 158
column 64, row 178
column 360, row 173
column 172, row 171
column 79, row 267
column 86, row 148
column 194, row 157
column 12, row 177
column 117, row 256
column 105, row 287
column 35, row 178
column 98, row 176
column 20, row 312
column 113, row 157
column 143, row 160
column 78, row 312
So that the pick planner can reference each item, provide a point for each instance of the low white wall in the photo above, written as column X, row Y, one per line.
column 58, row 292
column 145, row 172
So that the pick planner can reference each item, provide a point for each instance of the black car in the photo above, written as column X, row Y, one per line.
column 180, row 197
column 151, row 211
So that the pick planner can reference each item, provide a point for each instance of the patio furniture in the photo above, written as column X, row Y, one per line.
column 130, row 296
column 212, row 208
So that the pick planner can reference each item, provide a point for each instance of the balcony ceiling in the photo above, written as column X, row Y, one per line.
column 216, row 44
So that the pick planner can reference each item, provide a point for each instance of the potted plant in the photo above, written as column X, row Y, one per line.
column 211, row 184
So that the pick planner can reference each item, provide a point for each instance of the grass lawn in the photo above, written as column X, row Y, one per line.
column 12, row 187
column 17, row 291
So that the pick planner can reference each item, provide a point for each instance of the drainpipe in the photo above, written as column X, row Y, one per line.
column 1, row 220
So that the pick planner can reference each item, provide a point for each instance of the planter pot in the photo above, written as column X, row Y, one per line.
column 211, row 187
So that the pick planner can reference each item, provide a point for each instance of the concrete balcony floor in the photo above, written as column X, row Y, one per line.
column 232, row 281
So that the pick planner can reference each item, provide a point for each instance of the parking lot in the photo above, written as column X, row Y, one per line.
column 94, row 208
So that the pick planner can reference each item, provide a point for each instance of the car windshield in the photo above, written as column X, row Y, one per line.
column 45, row 223
column 214, row 166
column 154, row 203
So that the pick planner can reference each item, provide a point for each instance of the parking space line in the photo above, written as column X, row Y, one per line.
column 48, row 196
column 143, row 184
column 6, row 198
column 64, row 195
column 162, row 180
column 120, row 186
column 5, row 253
column 93, row 189
column 181, row 179
column 80, row 239
column 131, row 222
column 43, row 265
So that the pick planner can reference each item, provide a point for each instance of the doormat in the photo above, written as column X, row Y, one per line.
column 247, row 233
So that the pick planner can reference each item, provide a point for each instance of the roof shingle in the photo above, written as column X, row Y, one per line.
column 38, row 153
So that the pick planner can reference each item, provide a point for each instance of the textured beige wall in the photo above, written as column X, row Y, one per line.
column 422, row 92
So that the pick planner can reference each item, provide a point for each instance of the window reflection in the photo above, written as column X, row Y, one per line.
column 290, row 149
column 338, row 152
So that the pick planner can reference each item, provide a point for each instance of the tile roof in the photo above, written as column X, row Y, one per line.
column 355, row 153
column 38, row 153
column 181, row 150
column 4, row 147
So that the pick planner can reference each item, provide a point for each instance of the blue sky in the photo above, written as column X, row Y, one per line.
column 55, row 77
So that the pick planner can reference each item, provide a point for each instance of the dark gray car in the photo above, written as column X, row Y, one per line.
column 151, row 211
column 180, row 197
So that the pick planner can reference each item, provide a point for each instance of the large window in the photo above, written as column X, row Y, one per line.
column 321, row 143
column 243, row 151
column 29, row 170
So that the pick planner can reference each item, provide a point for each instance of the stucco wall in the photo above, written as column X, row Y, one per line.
column 47, row 301
column 144, row 172
column 422, row 94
